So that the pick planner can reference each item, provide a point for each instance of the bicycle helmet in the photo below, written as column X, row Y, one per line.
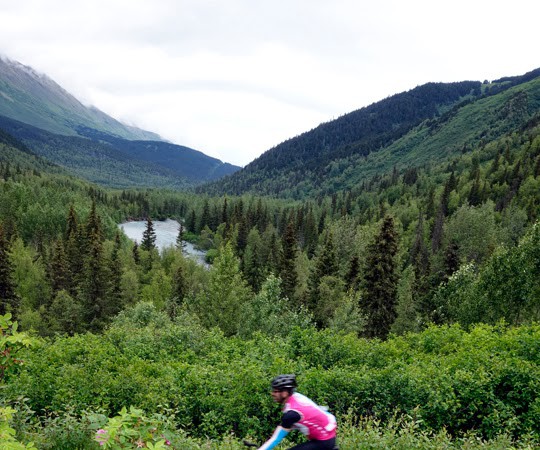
column 284, row 382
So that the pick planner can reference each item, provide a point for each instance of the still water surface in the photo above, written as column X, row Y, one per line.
column 166, row 233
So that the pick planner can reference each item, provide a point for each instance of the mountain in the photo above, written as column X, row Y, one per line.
column 183, row 161
column 421, row 126
column 89, row 143
column 119, row 163
column 35, row 99
column 13, row 152
column 91, row 160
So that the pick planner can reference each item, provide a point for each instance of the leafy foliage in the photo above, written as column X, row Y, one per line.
column 131, row 429
column 506, row 287
column 7, row 434
column 221, row 302
column 12, row 342
column 271, row 314
column 447, row 379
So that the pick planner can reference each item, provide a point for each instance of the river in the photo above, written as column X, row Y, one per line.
column 166, row 233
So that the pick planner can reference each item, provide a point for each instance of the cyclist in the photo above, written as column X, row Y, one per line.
column 301, row 413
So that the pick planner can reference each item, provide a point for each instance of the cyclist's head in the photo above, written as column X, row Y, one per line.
column 284, row 383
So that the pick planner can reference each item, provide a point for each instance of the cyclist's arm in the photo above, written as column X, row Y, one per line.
column 287, row 421
column 276, row 438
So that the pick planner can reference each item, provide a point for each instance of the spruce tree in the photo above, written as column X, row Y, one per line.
column 180, row 291
column 94, row 287
column 495, row 163
column 59, row 269
column 287, row 261
column 205, row 216
column 271, row 251
column 451, row 260
column 252, row 266
column 475, row 194
column 75, row 251
column 380, row 281
column 241, row 236
column 8, row 298
column 310, row 233
column 326, row 265
column 322, row 222
column 225, row 212
column 420, row 259
column 180, row 283
column 94, row 227
column 238, row 211
column 10, row 229
column 115, row 277
column 262, row 216
column 430, row 203
column 149, row 236
column 72, row 223
column 437, row 232
column 327, row 262
column 180, row 242
column 191, row 222
column 135, row 253
column 283, row 222
column 353, row 273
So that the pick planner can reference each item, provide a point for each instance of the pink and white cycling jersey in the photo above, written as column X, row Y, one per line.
column 315, row 422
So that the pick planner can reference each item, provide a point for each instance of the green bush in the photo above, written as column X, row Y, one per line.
column 132, row 429
column 12, row 345
column 7, row 433
column 124, row 430
column 485, row 380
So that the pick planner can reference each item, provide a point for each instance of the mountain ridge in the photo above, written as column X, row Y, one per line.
column 58, row 127
column 329, row 157
column 90, row 160
column 34, row 98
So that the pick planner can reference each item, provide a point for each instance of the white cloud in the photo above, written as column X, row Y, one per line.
column 234, row 78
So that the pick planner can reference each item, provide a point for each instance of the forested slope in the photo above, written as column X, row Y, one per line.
column 94, row 161
column 89, row 143
column 422, row 126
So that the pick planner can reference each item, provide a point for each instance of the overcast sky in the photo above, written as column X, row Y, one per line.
column 234, row 78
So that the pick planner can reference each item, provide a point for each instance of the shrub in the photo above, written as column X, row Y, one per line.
column 485, row 379
column 132, row 429
column 7, row 434
column 12, row 344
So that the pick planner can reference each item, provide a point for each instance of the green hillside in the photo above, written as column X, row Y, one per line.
column 458, row 131
column 120, row 163
column 185, row 162
column 94, row 161
column 90, row 144
column 425, row 125
column 35, row 99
